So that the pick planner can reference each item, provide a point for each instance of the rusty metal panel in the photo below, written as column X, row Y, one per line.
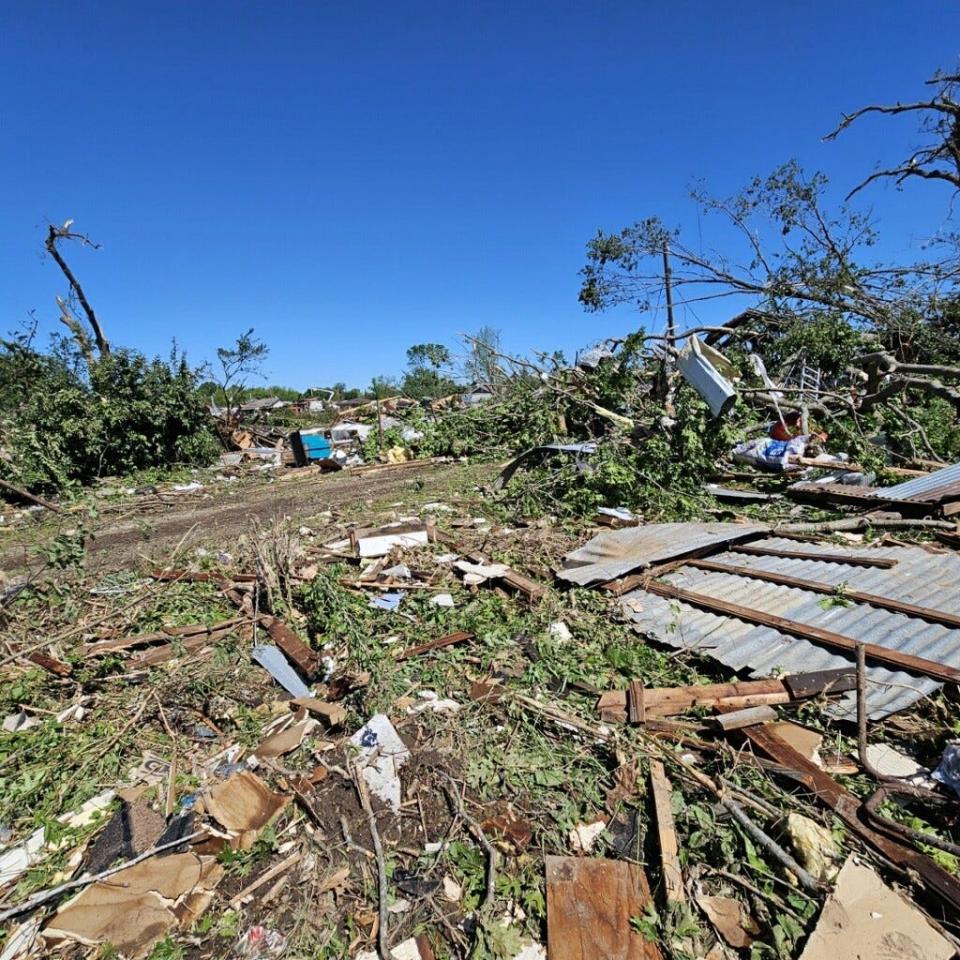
column 618, row 552
column 920, row 577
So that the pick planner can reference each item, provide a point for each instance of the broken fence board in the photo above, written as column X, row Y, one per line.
column 589, row 906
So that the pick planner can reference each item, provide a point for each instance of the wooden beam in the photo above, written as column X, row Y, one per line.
column 884, row 655
column 447, row 641
column 644, row 704
column 828, row 589
column 589, row 906
column 674, row 891
column 881, row 563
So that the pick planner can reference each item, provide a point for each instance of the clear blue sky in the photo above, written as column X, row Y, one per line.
column 353, row 178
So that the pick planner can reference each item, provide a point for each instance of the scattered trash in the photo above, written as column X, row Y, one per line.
column 386, row 601
column 583, row 836
column 442, row 600
column 730, row 919
column 816, row 849
column 948, row 770
column 259, row 942
column 381, row 754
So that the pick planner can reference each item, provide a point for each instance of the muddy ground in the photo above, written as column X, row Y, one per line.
column 155, row 524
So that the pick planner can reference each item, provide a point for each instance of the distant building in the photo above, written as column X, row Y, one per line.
column 478, row 393
column 261, row 405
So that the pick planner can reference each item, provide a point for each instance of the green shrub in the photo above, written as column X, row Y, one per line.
column 65, row 424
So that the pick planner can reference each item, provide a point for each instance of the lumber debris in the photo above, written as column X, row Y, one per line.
column 640, row 704
column 674, row 891
column 589, row 906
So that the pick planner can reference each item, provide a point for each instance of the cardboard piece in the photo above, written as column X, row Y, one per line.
column 863, row 917
column 243, row 804
column 136, row 907
column 730, row 919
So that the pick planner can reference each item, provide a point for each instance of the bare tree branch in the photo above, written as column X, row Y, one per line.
column 55, row 234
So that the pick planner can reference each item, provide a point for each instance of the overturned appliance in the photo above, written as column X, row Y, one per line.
column 709, row 372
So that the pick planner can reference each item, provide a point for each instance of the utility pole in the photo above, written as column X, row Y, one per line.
column 671, row 345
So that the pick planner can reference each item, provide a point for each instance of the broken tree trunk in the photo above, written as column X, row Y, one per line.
column 63, row 233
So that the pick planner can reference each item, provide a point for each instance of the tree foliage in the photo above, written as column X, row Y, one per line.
column 64, row 422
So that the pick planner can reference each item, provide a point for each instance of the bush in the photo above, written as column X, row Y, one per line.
column 65, row 423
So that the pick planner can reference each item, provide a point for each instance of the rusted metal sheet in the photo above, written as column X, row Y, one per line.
column 920, row 578
column 617, row 552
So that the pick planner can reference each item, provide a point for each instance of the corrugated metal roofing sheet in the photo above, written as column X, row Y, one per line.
column 920, row 577
column 935, row 486
column 618, row 552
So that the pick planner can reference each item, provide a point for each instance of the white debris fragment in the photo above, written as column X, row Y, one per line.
column 18, row 722
column 382, row 753
column 560, row 631
column 452, row 890
column 477, row 573
column 584, row 836
column 187, row 487
column 531, row 950
column 442, row 600
column 430, row 701
column 890, row 762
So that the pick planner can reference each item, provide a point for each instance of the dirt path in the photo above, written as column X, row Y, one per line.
column 116, row 545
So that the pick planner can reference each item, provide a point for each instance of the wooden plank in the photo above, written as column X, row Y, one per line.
column 847, row 806
column 881, row 563
column 891, row 658
column 674, row 890
column 636, row 708
column 164, row 635
column 828, row 589
column 589, row 906
column 517, row 581
column 447, row 641
column 659, row 702
column 308, row 662
column 332, row 714
column 737, row 719
column 51, row 664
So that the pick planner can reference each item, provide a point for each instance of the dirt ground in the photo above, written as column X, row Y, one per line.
column 155, row 524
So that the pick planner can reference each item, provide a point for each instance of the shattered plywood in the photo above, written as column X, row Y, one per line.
column 589, row 906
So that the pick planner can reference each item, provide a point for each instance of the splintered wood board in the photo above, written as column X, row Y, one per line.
column 589, row 906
